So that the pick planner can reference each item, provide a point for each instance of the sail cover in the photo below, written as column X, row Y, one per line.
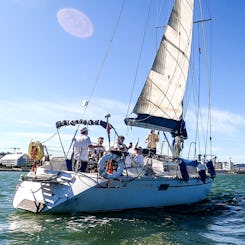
column 160, row 104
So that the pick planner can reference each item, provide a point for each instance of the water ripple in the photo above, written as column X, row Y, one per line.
column 217, row 220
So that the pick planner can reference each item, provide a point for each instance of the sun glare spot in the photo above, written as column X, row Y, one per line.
column 75, row 22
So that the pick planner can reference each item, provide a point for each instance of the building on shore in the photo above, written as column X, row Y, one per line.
column 15, row 160
column 225, row 166
column 229, row 167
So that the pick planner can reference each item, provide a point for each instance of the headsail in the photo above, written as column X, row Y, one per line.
column 160, row 104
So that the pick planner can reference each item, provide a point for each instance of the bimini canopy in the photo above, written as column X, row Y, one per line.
column 104, row 124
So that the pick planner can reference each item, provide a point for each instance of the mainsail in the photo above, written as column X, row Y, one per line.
column 160, row 104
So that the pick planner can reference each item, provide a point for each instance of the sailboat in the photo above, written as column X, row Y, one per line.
column 113, row 185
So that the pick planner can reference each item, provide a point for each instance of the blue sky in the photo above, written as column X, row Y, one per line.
column 46, row 72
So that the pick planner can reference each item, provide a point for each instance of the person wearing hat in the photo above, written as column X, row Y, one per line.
column 81, row 150
column 138, row 159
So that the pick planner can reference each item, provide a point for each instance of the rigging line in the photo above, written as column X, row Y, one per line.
column 190, row 84
column 139, row 59
column 160, row 10
column 195, row 87
column 197, row 112
column 51, row 137
column 63, row 149
column 169, row 145
column 100, row 68
column 105, row 56
column 208, row 80
column 191, row 87
column 210, row 74
column 73, row 138
column 198, row 92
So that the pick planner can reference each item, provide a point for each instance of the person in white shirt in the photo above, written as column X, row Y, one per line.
column 81, row 150
column 138, row 159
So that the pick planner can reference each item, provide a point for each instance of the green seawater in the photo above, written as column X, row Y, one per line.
column 218, row 220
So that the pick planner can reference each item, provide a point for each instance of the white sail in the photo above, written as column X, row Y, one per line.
column 160, row 102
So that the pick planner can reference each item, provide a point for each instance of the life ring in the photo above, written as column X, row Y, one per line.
column 103, row 171
column 35, row 150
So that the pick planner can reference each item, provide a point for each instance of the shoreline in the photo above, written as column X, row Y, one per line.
column 27, row 169
column 5, row 169
column 232, row 171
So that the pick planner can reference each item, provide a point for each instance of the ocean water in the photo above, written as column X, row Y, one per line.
column 218, row 220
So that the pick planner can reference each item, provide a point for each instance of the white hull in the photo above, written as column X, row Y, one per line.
column 69, row 192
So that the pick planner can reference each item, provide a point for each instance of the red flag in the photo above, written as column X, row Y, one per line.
column 108, row 128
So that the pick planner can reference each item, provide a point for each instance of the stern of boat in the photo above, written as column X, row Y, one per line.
column 43, row 190
column 47, row 190
column 29, row 197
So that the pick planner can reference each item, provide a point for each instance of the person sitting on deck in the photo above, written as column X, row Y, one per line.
column 138, row 159
column 120, row 146
column 98, row 152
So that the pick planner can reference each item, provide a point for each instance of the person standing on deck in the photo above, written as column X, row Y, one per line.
column 81, row 150
column 151, row 141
